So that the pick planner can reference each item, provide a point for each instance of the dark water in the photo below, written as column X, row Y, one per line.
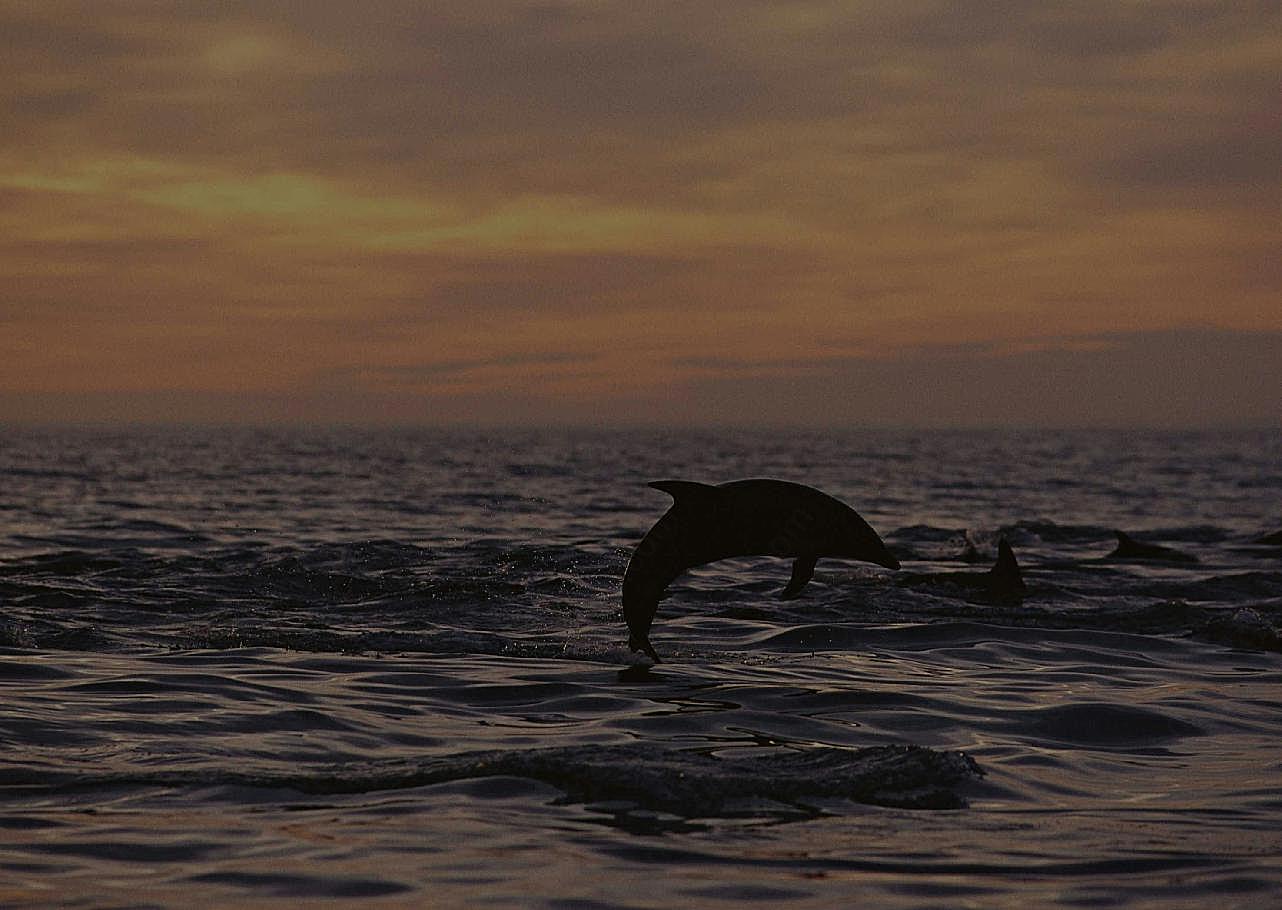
column 245, row 667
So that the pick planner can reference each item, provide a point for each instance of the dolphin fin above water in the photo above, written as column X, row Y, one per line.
column 690, row 492
column 742, row 518
column 1004, row 582
column 1130, row 548
column 1004, row 578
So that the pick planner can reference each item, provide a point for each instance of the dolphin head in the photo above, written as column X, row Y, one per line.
column 883, row 557
column 863, row 543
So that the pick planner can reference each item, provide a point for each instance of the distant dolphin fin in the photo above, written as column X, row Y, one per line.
column 1125, row 542
column 1130, row 548
column 1004, row 576
column 683, row 492
column 803, row 569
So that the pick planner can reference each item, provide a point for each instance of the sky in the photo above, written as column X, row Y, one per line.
column 989, row 213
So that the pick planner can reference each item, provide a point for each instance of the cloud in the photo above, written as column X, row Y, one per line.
column 1150, row 380
column 242, row 197
column 1174, row 378
column 1215, row 157
column 508, row 369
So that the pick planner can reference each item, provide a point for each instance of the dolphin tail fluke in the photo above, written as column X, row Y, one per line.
column 642, row 644
column 803, row 569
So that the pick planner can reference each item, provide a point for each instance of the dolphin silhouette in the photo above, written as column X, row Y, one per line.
column 740, row 518
column 1003, row 582
column 1130, row 548
column 1004, row 578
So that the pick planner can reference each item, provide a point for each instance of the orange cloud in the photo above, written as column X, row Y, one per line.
column 591, row 204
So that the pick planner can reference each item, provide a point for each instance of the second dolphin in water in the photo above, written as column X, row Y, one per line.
column 740, row 518
column 1003, row 582
column 1130, row 548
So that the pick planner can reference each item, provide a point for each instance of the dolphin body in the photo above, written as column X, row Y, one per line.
column 1003, row 582
column 740, row 518
column 1130, row 548
column 1267, row 546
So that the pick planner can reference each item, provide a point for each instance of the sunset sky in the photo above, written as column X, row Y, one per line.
column 822, row 213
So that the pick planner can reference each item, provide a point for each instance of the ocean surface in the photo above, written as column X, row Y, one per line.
column 388, row 668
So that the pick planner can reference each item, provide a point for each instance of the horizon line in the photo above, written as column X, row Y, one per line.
column 622, row 426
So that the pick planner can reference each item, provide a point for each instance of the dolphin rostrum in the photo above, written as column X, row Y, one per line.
column 740, row 518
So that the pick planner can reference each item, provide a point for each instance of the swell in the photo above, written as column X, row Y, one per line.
column 500, row 589
column 687, row 783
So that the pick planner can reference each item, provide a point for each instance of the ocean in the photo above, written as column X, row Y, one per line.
column 249, row 667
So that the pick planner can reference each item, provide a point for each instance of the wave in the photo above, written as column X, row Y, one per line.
column 687, row 783
column 499, row 595
column 1101, row 726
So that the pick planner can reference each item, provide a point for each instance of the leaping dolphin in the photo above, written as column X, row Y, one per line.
column 740, row 518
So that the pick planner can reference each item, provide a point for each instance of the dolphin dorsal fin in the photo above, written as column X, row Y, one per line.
column 1006, row 570
column 688, row 492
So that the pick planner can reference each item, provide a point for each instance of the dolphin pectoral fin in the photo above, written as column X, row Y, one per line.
column 803, row 569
